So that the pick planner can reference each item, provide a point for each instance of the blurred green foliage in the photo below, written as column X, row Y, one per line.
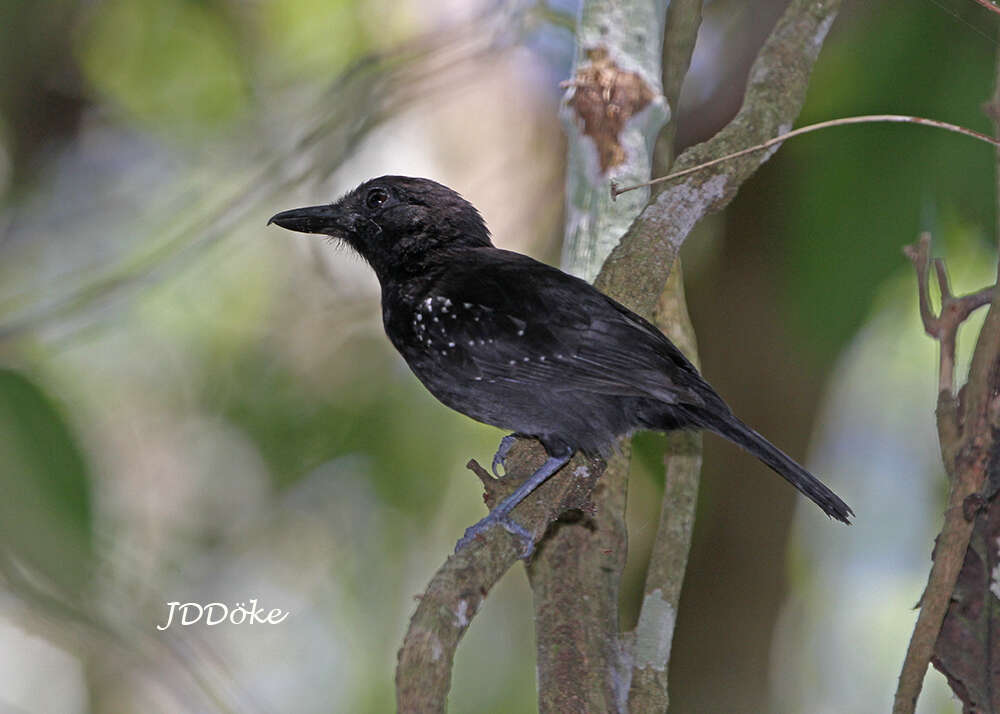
column 843, row 202
column 172, row 64
column 298, row 427
column 314, row 36
column 45, row 511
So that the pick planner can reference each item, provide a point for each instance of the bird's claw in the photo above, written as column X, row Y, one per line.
column 509, row 525
column 500, row 457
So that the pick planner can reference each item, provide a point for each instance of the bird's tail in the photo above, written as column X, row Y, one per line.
column 742, row 435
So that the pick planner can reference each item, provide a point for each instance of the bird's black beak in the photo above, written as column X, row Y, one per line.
column 329, row 219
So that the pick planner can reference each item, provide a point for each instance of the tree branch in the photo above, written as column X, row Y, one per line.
column 613, row 112
column 575, row 577
column 457, row 590
column 966, row 432
column 651, row 640
column 775, row 92
column 773, row 98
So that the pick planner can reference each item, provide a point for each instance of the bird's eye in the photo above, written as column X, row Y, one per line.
column 376, row 197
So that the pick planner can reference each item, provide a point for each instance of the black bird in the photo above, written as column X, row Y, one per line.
column 521, row 345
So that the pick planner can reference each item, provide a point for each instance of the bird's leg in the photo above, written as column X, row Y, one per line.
column 500, row 514
column 500, row 457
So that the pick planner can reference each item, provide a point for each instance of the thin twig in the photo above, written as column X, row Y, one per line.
column 867, row 119
column 989, row 6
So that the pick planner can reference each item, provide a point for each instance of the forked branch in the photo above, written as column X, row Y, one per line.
column 954, row 310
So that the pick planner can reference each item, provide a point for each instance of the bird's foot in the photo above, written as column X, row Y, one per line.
column 509, row 525
column 501, row 514
column 500, row 457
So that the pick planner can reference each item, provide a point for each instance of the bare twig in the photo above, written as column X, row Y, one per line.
column 989, row 6
column 954, row 310
column 868, row 119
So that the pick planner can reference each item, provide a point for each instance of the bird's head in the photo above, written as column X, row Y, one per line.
column 396, row 223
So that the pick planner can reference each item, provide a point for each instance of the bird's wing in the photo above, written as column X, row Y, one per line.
column 510, row 318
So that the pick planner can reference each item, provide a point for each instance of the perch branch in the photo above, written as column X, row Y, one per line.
column 457, row 590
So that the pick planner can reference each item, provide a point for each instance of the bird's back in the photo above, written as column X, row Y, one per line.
column 518, row 344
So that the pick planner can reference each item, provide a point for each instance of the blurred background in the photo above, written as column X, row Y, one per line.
column 196, row 407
